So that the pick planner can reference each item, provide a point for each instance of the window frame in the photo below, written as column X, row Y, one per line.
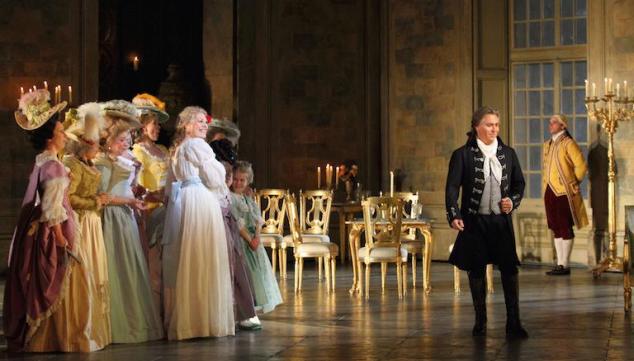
column 551, row 54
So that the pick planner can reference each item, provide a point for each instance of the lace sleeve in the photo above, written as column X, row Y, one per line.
column 55, row 183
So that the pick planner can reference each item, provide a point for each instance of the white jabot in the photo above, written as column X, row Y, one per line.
column 557, row 135
column 491, row 163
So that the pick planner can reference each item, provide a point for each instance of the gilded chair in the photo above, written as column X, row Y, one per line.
column 303, row 249
column 272, row 205
column 314, row 219
column 409, row 241
column 382, row 217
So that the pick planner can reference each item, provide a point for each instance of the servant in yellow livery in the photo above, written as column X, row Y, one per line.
column 562, row 172
column 154, row 160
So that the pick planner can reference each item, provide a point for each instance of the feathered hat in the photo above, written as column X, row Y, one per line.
column 34, row 109
column 85, row 123
column 148, row 103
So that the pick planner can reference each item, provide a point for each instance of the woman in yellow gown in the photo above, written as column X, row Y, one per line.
column 154, row 159
column 83, row 130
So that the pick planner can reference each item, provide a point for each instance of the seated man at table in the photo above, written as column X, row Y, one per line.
column 347, row 181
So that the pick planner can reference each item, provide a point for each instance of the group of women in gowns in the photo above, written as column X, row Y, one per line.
column 82, row 274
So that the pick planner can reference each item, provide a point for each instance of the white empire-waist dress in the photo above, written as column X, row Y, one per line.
column 198, row 292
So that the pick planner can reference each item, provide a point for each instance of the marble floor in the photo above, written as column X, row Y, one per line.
column 568, row 318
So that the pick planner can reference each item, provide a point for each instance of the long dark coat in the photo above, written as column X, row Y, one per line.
column 466, row 174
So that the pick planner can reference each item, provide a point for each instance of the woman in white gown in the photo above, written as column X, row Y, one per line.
column 196, row 275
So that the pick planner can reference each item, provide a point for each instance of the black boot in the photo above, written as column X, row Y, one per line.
column 511, row 288
column 478, row 294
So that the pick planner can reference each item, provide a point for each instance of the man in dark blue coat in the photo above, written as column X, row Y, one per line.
column 489, row 175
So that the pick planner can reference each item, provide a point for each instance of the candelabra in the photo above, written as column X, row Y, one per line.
column 609, row 111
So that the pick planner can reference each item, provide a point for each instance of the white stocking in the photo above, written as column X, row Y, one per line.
column 559, row 248
column 566, row 251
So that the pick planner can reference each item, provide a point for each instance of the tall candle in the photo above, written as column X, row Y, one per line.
column 21, row 91
column 45, row 85
column 337, row 177
column 318, row 177
column 610, row 84
column 625, row 88
column 70, row 94
column 605, row 85
column 594, row 90
column 135, row 63
column 328, row 178
column 586, row 84
column 391, row 183
column 618, row 89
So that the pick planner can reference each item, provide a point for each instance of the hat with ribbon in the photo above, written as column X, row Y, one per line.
column 148, row 103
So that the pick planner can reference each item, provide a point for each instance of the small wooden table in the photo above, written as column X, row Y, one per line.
column 346, row 212
column 358, row 226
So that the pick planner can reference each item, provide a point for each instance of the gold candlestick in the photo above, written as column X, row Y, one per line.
column 612, row 111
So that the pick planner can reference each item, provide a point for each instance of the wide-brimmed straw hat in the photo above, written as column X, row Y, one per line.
column 122, row 110
column 226, row 126
column 34, row 109
column 148, row 103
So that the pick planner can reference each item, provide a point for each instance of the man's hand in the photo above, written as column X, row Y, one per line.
column 457, row 224
column 506, row 204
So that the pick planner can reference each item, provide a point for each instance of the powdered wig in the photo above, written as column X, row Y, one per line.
column 185, row 117
column 111, row 133
column 244, row 167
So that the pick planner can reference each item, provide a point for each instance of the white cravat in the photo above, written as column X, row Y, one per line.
column 491, row 163
column 557, row 135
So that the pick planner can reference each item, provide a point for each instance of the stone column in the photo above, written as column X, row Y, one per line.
column 218, row 53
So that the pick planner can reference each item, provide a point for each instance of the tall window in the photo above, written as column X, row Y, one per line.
column 544, row 32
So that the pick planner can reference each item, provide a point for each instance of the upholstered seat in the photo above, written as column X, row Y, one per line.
column 307, row 238
column 381, row 253
column 308, row 250
column 383, row 219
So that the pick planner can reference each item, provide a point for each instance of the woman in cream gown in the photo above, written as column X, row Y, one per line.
column 198, row 292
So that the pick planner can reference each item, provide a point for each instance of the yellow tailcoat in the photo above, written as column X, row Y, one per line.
column 563, row 170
